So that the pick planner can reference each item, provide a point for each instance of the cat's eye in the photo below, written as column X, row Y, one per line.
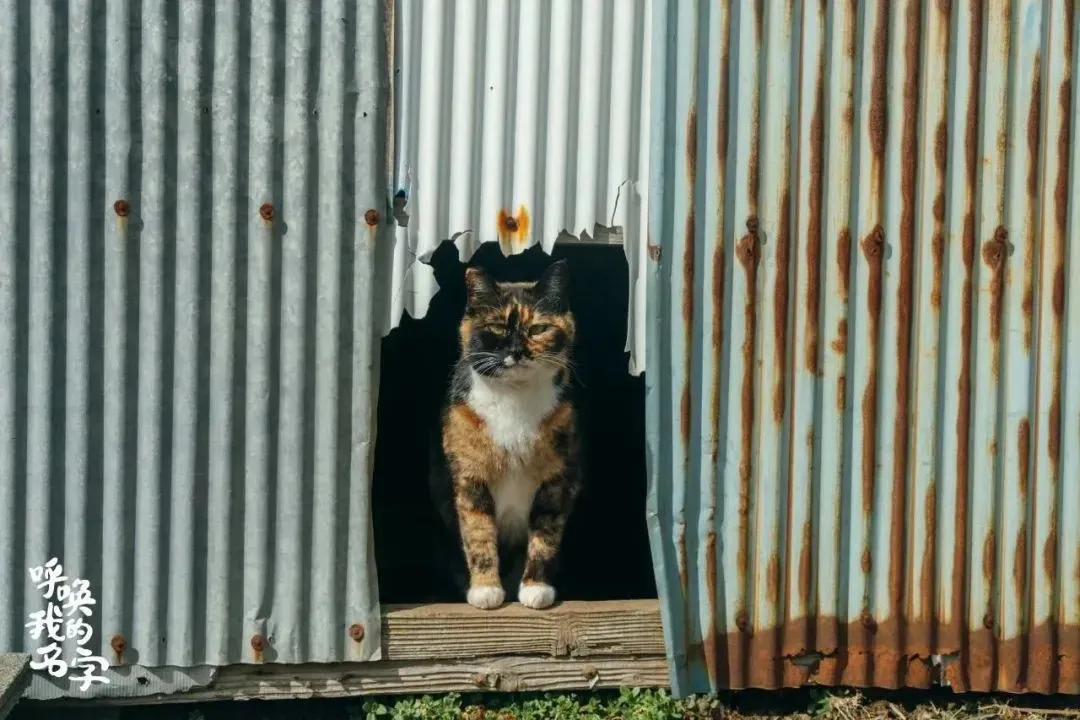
column 540, row 329
column 496, row 329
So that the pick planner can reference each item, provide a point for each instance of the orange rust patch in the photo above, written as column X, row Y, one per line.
column 688, row 278
column 513, row 229
column 839, row 345
column 989, row 556
column 866, row 562
column 841, row 392
column 927, row 574
column 1020, row 562
column 1049, row 552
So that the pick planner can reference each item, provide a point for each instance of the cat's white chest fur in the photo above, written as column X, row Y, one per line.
column 512, row 413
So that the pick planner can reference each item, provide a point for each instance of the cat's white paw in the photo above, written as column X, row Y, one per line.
column 536, row 595
column 486, row 597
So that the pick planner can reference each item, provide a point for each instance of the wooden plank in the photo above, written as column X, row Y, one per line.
column 570, row 629
column 337, row 680
column 455, row 648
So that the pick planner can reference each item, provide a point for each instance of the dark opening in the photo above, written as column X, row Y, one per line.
column 605, row 551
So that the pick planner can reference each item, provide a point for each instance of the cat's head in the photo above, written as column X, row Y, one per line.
column 516, row 329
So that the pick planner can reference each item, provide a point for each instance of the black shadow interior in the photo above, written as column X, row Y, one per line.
column 605, row 549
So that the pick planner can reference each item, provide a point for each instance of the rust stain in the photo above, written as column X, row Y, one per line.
column 717, row 343
column 843, row 262
column 1050, row 553
column 805, row 565
column 748, row 255
column 118, row 643
column 772, row 580
column 1034, row 122
column 904, row 301
column 356, row 632
column 941, row 146
column 710, row 647
column 780, row 303
column 927, row 573
column 266, row 212
column 371, row 217
column 989, row 556
column 879, row 116
column 753, row 174
column 938, row 249
column 1020, row 563
column 866, row 561
column 814, row 227
column 122, row 208
column 688, row 278
column 994, row 253
column 759, row 19
column 258, row 644
column 873, row 247
column 513, row 229
column 959, row 633
column 1023, row 449
column 839, row 345
column 684, row 568
column 841, row 392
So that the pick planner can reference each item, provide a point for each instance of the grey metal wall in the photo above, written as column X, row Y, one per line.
column 192, row 195
column 864, row 343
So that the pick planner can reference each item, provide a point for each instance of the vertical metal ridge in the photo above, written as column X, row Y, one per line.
column 229, row 221
column 10, row 595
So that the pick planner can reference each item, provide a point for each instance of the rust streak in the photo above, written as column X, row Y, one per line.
column 843, row 262
column 994, row 253
column 839, row 345
column 772, row 580
column 748, row 255
column 805, row 566
column 1034, row 121
column 1023, row 449
column 717, row 343
column 904, row 301
column 873, row 247
column 688, row 279
column 879, row 116
column 814, row 227
column 780, row 303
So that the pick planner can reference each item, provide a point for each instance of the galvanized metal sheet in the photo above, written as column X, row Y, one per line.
column 189, row 287
column 520, row 123
column 864, row 327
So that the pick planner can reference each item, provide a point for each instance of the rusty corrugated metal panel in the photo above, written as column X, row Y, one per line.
column 519, row 123
column 188, row 293
column 864, row 325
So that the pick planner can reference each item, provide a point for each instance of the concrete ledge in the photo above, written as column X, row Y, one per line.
column 14, row 677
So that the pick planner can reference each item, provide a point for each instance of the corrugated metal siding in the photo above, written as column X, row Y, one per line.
column 864, row 331
column 187, row 347
column 519, row 122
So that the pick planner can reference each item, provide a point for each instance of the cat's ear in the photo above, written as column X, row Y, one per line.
column 479, row 287
column 553, row 288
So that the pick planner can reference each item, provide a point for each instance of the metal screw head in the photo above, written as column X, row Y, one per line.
column 258, row 642
column 511, row 224
column 371, row 217
column 356, row 632
column 266, row 212
column 121, row 208
column 118, row 644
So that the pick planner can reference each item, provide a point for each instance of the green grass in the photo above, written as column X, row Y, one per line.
column 629, row 704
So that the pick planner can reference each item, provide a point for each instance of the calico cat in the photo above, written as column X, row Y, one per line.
column 507, row 465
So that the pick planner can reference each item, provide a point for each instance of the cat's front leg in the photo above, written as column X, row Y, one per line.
column 550, row 509
column 479, row 537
